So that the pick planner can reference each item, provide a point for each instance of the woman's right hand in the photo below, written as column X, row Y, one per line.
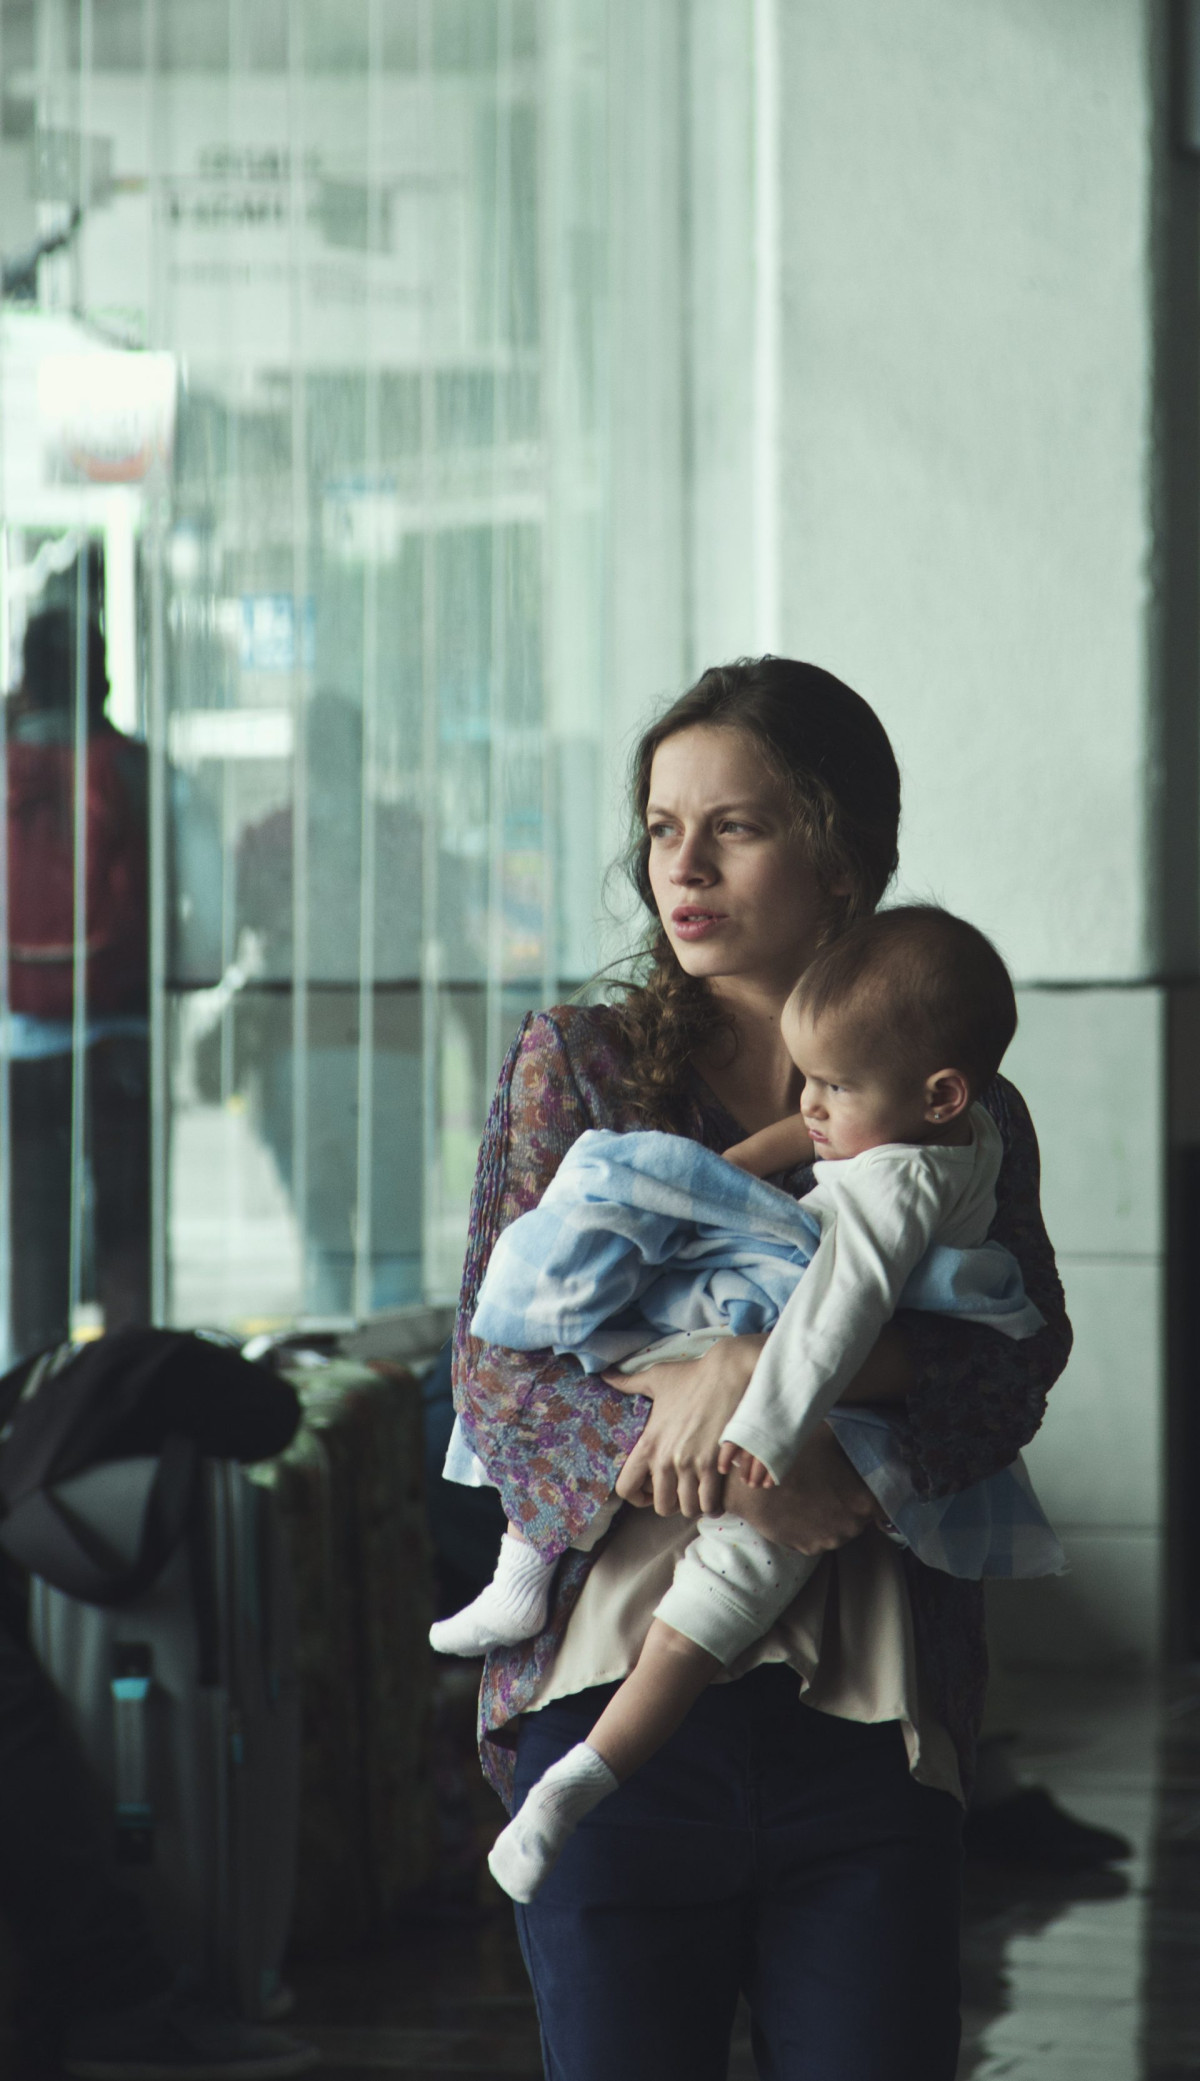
column 820, row 1504
column 674, row 1463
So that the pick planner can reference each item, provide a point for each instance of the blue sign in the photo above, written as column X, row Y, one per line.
column 269, row 633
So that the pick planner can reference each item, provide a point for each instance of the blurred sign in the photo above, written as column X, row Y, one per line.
column 361, row 519
column 231, row 733
column 269, row 633
column 108, row 416
column 372, row 241
column 354, row 214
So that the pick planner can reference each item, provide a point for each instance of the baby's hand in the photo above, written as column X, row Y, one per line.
column 752, row 1471
column 775, row 1148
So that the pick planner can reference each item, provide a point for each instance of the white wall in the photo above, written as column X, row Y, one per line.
column 966, row 415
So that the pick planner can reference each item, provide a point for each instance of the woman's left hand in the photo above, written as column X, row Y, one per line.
column 674, row 1463
column 821, row 1503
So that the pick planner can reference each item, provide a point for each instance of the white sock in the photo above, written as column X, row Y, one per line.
column 513, row 1606
column 525, row 1852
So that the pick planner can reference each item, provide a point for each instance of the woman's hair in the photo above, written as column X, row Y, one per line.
column 925, row 990
column 832, row 754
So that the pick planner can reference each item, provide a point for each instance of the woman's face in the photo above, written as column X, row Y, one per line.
column 732, row 882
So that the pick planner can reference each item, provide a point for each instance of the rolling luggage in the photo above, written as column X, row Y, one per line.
column 185, row 1701
column 260, row 1707
column 349, row 1490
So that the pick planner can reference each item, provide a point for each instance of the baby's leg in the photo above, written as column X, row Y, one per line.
column 669, row 1675
column 655, row 1698
column 511, row 1608
column 730, row 1586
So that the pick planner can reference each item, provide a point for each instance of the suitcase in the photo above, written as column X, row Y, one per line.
column 186, row 1705
column 350, row 1496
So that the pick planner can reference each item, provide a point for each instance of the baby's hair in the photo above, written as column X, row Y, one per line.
column 926, row 984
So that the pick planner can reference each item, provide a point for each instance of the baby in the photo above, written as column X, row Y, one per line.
column 896, row 1028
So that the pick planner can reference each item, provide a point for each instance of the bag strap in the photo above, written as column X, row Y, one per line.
column 37, row 1426
column 53, row 1543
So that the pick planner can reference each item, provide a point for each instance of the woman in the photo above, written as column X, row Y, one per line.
column 796, row 1841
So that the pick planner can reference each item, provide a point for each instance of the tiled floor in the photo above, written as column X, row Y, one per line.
column 1055, row 1971
column 1096, row 1981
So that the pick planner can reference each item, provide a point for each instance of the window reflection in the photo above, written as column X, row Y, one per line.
column 301, row 335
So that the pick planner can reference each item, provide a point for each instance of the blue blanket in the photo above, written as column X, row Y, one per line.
column 642, row 1236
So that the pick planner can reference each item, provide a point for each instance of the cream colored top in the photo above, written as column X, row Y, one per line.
column 848, row 1635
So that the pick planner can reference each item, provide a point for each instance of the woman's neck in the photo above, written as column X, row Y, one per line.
column 757, row 1082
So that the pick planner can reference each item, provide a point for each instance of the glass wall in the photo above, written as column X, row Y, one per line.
column 302, row 450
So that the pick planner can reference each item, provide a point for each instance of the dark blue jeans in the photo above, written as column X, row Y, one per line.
column 767, row 1849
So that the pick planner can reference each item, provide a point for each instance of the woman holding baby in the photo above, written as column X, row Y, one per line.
column 797, row 1840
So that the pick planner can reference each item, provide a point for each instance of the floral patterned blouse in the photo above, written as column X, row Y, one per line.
column 554, row 1440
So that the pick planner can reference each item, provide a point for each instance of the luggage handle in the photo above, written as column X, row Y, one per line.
column 133, row 1670
column 56, row 1545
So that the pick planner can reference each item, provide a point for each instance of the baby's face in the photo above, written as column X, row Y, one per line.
column 851, row 1101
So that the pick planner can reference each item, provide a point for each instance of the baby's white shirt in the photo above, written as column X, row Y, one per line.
column 879, row 1213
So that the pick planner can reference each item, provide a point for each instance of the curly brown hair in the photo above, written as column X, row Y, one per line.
column 832, row 754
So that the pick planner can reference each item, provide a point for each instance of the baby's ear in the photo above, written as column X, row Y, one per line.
column 947, row 1096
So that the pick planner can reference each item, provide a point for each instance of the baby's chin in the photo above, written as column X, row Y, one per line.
column 825, row 1152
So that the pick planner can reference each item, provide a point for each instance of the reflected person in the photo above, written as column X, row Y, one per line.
column 266, row 885
column 42, row 970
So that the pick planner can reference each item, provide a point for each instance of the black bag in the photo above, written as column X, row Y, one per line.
column 168, row 1394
